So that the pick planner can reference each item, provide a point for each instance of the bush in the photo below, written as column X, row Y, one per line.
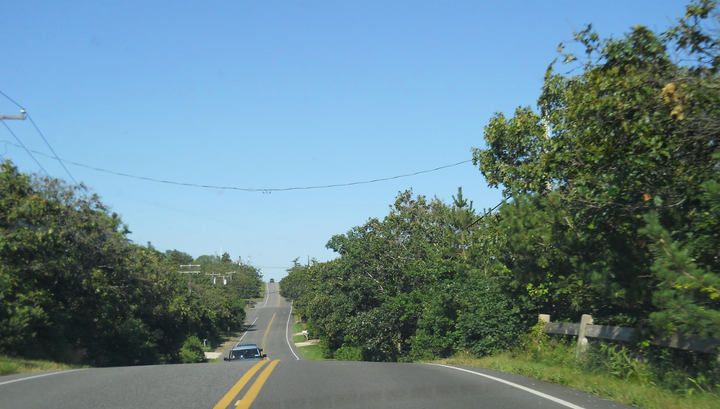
column 348, row 353
column 494, row 320
column 679, row 371
column 192, row 351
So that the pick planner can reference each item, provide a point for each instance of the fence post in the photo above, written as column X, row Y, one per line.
column 544, row 319
column 582, row 341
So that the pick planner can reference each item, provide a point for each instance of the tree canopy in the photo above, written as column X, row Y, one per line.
column 612, row 192
column 74, row 288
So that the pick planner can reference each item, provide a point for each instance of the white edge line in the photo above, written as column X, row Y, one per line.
column 267, row 294
column 246, row 331
column 526, row 389
column 287, row 337
column 39, row 376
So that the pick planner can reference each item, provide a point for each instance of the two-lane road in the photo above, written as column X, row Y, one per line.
column 269, row 323
column 284, row 381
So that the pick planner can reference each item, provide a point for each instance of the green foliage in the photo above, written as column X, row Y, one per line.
column 10, row 366
column 192, row 351
column 347, row 353
column 652, row 381
column 682, row 372
column 634, row 133
column 612, row 209
column 493, row 320
column 176, row 257
column 73, row 288
column 686, row 264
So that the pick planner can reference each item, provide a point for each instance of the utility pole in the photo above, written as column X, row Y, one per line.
column 23, row 116
column 190, row 272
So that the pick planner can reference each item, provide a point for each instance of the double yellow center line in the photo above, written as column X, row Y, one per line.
column 252, row 393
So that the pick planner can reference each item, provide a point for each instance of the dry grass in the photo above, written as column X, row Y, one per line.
column 9, row 366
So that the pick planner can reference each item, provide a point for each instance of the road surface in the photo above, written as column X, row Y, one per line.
column 285, row 380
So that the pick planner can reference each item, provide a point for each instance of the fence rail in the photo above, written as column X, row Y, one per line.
column 679, row 341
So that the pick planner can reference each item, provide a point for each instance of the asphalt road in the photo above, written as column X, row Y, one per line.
column 285, row 380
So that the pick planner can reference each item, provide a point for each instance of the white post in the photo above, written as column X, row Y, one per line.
column 582, row 341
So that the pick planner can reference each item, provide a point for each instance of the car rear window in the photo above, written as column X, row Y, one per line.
column 245, row 353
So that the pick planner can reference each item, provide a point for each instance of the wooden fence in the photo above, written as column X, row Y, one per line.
column 586, row 329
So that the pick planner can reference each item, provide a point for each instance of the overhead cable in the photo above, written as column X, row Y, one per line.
column 248, row 189
column 486, row 213
column 43, row 138
column 22, row 145
column 51, row 149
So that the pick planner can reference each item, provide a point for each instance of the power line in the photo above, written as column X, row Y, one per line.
column 486, row 213
column 52, row 150
column 24, row 147
column 11, row 100
column 247, row 189
column 42, row 136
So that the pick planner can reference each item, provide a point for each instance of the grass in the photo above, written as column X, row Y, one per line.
column 225, row 338
column 558, row 367
column 298, row 327
column 9, row 366
column 312, row 353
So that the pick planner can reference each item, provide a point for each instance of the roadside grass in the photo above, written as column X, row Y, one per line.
column 558, row 367
column 312, row 353
column 226, row 337
column 9, row 366
column 299, row 327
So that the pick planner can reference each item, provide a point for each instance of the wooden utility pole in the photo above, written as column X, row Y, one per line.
column 23, row 116
column 190, row 272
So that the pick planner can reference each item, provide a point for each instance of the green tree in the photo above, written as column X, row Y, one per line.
column 74, row 288
column 635, row 132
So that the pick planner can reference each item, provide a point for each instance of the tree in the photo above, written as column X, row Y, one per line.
column 635, row 132
column 74, row 288
column 177, row 257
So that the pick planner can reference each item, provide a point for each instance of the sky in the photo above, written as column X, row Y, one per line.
column 271, row 95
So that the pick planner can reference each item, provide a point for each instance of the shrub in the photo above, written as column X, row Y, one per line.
column 494, row 319
column 348, row 353
column 192, row 351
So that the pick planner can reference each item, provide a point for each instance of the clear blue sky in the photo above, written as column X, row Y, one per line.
column 257, row 94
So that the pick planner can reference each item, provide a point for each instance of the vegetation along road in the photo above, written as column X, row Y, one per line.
column 285, row 380
column 610, row 211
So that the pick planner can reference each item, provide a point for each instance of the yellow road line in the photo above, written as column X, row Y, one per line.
column 238, row 386
column 252, row 393
column 278, row 299
column 266, row 332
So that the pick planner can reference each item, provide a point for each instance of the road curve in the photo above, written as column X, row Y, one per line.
column 284, row 381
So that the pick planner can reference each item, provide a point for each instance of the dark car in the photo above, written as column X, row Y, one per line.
column 245, row 352
column 272, row 280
